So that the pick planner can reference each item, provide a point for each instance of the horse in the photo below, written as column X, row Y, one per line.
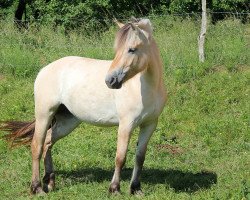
column 127, row 92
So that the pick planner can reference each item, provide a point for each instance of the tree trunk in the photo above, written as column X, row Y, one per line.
column 201, row 39
column 19, row 13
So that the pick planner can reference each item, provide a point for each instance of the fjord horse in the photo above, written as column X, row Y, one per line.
column 127, row 91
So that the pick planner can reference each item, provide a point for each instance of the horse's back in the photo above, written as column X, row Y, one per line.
column 60, row 69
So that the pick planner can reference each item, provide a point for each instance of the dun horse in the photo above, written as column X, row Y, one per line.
column 72, row 89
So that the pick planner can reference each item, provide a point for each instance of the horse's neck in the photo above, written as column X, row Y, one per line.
column 154, row 71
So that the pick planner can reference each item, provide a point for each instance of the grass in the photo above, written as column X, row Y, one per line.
column 206, row 119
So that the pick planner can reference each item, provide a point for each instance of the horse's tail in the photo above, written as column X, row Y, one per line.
column 20, row 133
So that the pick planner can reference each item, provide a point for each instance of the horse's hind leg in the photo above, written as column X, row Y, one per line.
column 49, row 177
column 144, row 136
column 43, row 119
column 65, row 123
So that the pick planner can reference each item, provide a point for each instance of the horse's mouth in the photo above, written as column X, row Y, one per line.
column 114, row 83
column 117, row 86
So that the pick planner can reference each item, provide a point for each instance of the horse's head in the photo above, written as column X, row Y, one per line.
column 132, row 46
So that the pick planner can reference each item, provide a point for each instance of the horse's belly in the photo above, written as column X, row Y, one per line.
column 95, row 116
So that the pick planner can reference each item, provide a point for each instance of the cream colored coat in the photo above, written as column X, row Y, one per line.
column 85, row 87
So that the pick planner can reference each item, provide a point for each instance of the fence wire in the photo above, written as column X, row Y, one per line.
column 197, row 14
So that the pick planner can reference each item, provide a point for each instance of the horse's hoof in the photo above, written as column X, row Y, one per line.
column 48, row 182
column 36, row 188
column 48, row 187
column 115, row 193
column 138, row 193
column 114, row 189
column 51, row 187
column 135, row 189
column 41, row 193
column 38, row 191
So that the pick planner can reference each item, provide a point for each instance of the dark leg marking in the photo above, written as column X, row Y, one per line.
column 135, row 188
column 48, row 182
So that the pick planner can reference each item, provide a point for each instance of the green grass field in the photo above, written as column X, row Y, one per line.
column 206, row 119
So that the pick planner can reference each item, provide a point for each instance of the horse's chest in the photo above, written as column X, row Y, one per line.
column 139, row 109
column 151, row 110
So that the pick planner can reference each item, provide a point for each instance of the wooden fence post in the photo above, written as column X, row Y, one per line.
column 201, row 38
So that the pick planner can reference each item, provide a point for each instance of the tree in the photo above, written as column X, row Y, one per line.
column 21, row 9
column 201, row 38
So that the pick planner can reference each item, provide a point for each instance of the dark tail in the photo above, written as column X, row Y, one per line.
column 20, row 133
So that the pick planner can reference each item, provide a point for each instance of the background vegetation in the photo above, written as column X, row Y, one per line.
column 98, row 13
column 200, row 149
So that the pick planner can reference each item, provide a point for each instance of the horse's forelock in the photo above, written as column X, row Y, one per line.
column 122, row 36
column 124, row 33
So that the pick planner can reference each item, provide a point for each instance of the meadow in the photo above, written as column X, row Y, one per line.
column 201, row 147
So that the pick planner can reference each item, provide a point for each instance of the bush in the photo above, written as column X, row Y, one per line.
column 96, row 14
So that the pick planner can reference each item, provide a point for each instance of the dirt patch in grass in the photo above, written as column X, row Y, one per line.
column 2, row 77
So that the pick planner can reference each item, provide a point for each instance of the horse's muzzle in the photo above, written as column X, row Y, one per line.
column 115, row 79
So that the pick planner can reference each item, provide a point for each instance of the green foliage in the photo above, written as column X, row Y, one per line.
column 188, row 6
column 70, row 14
column 89, row 13
column 6, row 8
column 206, row 117
column 230, row 5
column 96, row 14
column 6, row 3
column 180, row 6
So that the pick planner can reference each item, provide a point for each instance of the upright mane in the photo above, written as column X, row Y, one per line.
column 145, row 25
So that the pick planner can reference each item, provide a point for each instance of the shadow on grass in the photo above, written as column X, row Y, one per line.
column 178, row 180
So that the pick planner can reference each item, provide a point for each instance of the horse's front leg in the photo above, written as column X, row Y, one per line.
column 124, row 133
column 146, row 131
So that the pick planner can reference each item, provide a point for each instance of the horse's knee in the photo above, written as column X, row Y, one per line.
column 36, row 149
column 120, row 161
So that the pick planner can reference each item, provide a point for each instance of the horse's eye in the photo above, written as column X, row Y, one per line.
column 132, row 50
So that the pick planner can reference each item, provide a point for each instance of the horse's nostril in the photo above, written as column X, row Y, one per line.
column 112, row 80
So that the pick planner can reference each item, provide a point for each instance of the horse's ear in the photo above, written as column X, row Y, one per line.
column 118, row 23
